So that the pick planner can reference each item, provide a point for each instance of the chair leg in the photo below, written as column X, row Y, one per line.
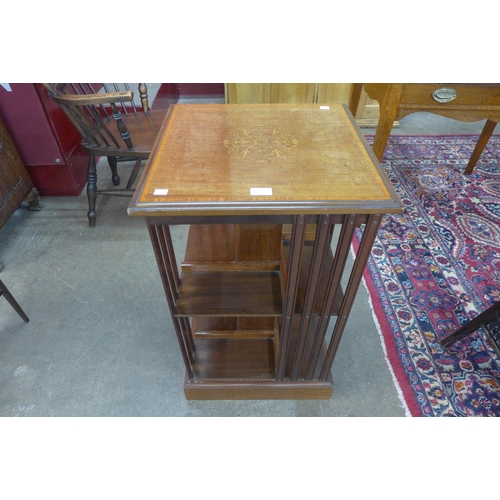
column 92, row 190
column 114, row 171
column 12, row 301
column 134, row 173
column 492, row 313
column 488, row 129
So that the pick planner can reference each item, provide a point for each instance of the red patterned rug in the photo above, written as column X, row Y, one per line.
column 434, row 267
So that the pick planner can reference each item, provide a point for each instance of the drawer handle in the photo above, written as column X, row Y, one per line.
column 444, row 95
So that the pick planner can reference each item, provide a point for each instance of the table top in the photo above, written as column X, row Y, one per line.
column 259, row 159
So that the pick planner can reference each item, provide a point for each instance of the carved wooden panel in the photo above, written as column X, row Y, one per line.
column 15, row 183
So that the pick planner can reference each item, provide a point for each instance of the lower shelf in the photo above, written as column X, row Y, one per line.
column 240, row 359
column 242, row 365
column 256, row 389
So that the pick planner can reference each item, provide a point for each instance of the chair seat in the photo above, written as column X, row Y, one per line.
column 143, row 129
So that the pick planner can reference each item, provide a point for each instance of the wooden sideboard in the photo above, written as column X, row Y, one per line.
column 460, row 101
column 366, row 114
column 286, row 93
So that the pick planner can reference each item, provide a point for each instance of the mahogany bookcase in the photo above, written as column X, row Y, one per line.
column 272, row 195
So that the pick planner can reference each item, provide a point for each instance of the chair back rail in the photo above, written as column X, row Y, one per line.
column 92, row 112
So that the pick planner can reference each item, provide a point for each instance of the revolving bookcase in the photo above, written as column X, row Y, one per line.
column 272, row 195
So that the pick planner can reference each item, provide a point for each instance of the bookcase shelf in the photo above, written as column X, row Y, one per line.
column 240, row 293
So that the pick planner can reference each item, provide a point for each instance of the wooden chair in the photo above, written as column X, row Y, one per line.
column 488, row 321
column 111, row 125
column 12, row 301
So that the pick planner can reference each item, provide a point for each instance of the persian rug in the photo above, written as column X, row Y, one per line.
column 433, row 268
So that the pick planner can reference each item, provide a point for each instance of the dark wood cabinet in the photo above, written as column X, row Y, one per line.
column 15, row 183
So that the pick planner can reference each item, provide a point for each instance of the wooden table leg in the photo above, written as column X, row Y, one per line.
column 488, row 129
column 354, row 97
column 388, row 111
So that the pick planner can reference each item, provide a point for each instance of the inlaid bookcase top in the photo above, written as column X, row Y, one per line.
column 256, row 159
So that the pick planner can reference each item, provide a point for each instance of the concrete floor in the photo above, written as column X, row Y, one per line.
column 100, row 340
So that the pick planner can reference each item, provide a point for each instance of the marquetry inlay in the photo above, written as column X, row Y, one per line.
column 297, row 158
column 261, row 142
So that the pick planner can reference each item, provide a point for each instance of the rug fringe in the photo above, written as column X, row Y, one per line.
column 384, row 349
column 399, row 392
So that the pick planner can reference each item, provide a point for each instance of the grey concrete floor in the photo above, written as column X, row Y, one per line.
column 100, row 341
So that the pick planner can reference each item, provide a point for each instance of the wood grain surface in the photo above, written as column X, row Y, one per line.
column 210, row 157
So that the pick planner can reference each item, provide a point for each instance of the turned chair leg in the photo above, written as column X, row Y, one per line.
column 133, row 174
column 92, row 190
column 12, row 301
column 114, row 171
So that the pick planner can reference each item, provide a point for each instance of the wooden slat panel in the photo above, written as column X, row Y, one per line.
column 304, row 276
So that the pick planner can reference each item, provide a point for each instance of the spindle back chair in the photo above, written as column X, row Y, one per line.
column 111, row 124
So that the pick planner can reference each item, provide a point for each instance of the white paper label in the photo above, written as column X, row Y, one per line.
column 324, row 107
column 160, row 192
column 261, row 191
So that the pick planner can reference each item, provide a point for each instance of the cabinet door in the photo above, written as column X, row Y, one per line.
column 333, row 92
column 15, row 184
column 269, row 93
